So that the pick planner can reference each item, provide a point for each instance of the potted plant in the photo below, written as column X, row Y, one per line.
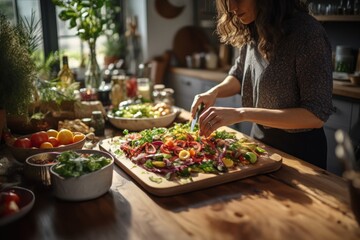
column 17, row 71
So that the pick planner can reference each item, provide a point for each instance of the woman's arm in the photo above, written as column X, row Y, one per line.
column 290, row 118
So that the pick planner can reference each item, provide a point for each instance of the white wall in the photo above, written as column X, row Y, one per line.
column 157, row 32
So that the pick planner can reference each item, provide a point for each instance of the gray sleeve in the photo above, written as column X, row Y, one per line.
column 314, row 76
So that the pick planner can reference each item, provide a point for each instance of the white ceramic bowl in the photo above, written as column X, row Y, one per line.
column 138, row 124
column 27, row 200
column 21, row 154
column 85, row 187
column 37, row 167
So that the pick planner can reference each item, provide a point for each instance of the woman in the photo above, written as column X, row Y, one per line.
column 283, row 73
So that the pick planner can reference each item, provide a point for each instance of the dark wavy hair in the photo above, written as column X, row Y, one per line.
column 267, row 25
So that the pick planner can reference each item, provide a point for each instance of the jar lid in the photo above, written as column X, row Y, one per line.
column 96, row 112
column 169, row 90
column 159, row 86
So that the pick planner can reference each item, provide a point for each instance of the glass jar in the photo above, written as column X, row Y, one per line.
column 157, row 96
column 98, row 123
column 167, row 96
column 144, row 88
column 344, row 60
column 118, row 90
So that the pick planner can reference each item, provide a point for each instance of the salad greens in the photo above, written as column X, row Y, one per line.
column 73, row 164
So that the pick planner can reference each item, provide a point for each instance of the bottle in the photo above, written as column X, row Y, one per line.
column 65, row 75
column 118, row 90
column 98, row 123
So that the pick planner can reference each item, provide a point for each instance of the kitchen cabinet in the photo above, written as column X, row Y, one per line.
column 346, row 116
column 186, row 87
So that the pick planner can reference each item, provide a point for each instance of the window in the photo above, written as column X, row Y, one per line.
column 56, row 34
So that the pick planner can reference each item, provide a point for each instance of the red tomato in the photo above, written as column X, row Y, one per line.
column 8, row 208
column 38, row 138
column 22, row 143
column 54, row 141
column 6, row 197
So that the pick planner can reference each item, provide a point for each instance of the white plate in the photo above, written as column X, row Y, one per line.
column 27, row 200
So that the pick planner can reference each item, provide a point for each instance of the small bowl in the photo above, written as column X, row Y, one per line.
column 27, row 200
column 85, row 187
column 138, row 124
column 21, row 154
column 37, row 167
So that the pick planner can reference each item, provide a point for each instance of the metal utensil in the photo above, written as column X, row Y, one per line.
column 198, row 112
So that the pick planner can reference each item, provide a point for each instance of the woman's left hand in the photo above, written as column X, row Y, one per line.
column 215, row 117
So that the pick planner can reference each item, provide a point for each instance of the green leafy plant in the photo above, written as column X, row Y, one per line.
column 86, row 16
column 17, row 70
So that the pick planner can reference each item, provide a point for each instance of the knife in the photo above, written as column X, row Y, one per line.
column 197, row 114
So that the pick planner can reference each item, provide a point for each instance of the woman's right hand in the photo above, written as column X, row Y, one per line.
column 208, row 99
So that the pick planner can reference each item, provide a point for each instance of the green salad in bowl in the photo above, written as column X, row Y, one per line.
column 82, row 174
column 75, row 164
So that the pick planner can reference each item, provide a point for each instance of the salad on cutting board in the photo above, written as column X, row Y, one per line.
column 172, row 160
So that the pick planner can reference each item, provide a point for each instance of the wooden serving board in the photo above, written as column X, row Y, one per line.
column 199, row 181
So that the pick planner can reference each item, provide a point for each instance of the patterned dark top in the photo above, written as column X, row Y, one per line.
column 300, row 74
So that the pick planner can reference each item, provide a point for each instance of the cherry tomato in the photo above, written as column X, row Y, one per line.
column 6, row 197
column 38, row 138
column 22, row 143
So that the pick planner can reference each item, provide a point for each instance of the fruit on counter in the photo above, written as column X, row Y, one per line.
column 52, row 133
column 54, row 141
column 46, row 145
column 22, row 143
column 65, row 136
column 9, row 203
column 38, row 138
column 78, row 137
column 49, row 139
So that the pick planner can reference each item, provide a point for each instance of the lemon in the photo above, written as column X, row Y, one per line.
column 227, row 162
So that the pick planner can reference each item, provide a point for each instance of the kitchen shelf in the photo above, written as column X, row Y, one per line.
column 338, row 18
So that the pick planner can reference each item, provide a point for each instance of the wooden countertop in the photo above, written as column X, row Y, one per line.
column 340, row 88
column 299, row 201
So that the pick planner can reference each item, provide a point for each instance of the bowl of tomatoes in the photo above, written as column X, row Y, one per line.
column 15, row 202
column 45, row 141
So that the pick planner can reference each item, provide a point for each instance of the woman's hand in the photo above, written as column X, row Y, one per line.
column 215, row 117
column 208, row 99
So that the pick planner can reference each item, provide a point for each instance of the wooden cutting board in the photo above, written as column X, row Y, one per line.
column 200, row 181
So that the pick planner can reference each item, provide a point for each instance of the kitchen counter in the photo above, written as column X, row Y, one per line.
column 340, row 88
column 299, row 201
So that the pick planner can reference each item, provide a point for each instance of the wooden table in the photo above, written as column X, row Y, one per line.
column 299, row 201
